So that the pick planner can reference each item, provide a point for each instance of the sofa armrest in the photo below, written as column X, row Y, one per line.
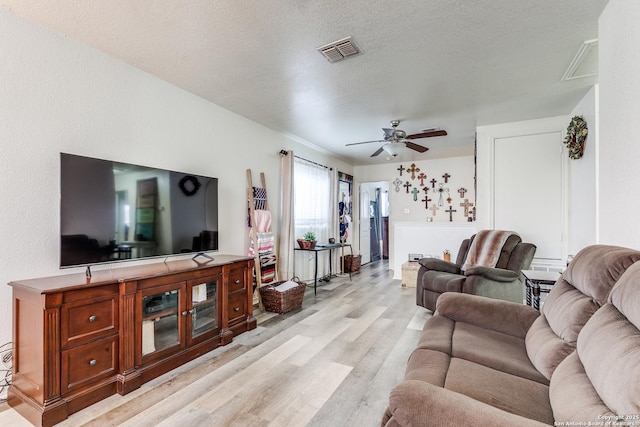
column 502, row 316
column 497, row 274
column 417, row 403
column 438, row 264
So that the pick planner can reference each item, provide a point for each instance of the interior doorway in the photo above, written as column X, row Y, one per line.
column 374, row 221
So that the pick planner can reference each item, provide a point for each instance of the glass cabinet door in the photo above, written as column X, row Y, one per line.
column 161, row 319
column 204, row 307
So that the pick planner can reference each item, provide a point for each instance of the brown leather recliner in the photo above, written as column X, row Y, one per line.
column 504, row 281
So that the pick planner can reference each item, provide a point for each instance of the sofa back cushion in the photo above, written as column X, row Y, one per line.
column 581, row 290
column 604, row 371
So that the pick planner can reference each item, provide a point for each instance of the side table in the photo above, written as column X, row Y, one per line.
column 537, row 282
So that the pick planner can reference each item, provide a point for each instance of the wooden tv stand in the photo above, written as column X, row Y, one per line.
column 79, row 340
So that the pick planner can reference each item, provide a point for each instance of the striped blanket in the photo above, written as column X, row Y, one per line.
column 486, row 248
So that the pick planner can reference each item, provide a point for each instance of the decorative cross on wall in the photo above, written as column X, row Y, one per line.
column 466, row 205
column 426, row 190
column 434, row 208
column 426, row 201
column 441, row 190
column 450, row 211
column 415, row 192
column 433, row 183
column 413, row 169
column 446, row 177
column 461, row 191
column 422, row 177
column 400, row 169
column 397, row 183
column 407, row 185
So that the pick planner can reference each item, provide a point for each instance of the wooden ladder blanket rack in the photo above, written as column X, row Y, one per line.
column 262, row 245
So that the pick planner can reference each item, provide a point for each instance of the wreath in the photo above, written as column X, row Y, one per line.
column 189, row 185
column 576, row 135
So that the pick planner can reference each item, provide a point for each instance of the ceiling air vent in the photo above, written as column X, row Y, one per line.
column 339, row 50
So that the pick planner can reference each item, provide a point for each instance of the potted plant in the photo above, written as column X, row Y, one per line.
column 308, row 241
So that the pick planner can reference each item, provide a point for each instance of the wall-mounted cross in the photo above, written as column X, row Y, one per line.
column 422, row 177
column 397, row 183
column 415, row 192
column 400, row 169
column 446, row 177
column 413, row 169
column 407, row 185
column 426, row 201
column 441, row 190
column 434, row 208
column 450, row 211
column 433, row 183
column 426, row 190
column 466, row 205
column 461, row 191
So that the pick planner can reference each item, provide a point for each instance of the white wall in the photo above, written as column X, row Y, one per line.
column 583, row 197
column 402, row 206
column 619, row 154
column 57, row 95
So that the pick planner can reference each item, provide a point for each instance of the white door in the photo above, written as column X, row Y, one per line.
column 528, row 187
column 365, row 226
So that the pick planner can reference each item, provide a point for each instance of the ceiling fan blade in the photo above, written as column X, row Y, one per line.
column 378, row 151
column 414, row 146
column 364, row 142
column 427, row 134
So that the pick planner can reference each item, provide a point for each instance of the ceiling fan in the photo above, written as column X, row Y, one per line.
column 397, row 139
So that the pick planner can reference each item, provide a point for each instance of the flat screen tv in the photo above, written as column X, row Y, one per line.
column 113, row 211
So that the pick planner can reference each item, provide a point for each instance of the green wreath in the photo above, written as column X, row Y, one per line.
column 576, row 135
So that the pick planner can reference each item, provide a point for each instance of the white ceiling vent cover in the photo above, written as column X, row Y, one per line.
column 339, row 50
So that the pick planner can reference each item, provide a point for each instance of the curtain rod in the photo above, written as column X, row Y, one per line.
column 285, row 153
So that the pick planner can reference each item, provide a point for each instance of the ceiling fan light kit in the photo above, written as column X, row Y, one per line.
column 393, row 148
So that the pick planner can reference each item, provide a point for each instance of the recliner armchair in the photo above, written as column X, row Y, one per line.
column 503, row 280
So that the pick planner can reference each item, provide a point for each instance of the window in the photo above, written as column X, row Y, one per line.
column 312, row 206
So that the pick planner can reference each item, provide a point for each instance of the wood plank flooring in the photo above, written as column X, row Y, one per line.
column 333, row 363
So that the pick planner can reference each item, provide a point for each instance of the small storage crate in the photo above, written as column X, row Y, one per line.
column 282, row 302
column 352, row 263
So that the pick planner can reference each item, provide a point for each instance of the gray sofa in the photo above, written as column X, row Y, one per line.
column 503, row 281
column 483, row 361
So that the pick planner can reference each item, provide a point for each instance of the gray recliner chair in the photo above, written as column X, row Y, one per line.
column 503, row 281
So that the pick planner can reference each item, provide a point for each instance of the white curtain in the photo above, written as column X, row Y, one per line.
column 286, row 237
column 314, row 206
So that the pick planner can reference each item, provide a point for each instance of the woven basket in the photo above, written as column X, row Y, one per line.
column 352, row 263
column 282, row 302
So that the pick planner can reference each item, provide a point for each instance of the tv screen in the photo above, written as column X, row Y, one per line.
column 113, row 211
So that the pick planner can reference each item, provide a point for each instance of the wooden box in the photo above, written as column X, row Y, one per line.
column 410, row 274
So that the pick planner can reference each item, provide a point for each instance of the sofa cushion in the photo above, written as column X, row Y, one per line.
column 603, row 371
column 495, row 350
column 510, row 393
column 581, row 290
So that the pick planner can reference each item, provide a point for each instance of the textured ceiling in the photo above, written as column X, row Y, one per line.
column 454, row 64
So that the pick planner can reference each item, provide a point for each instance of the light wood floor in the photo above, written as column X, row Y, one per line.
column 333, row 363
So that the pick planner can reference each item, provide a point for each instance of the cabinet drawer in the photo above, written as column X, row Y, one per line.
column 236, row 279
column 237, row 307
column 83, row 321
column 86, row 364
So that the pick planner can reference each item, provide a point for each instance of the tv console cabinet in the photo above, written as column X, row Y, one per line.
column 78, row 340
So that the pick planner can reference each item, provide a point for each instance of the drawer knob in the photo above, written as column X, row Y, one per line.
column 237, row 281
column 93, row 362
column 184, row 313
column 236, row 309
column 92, row 318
